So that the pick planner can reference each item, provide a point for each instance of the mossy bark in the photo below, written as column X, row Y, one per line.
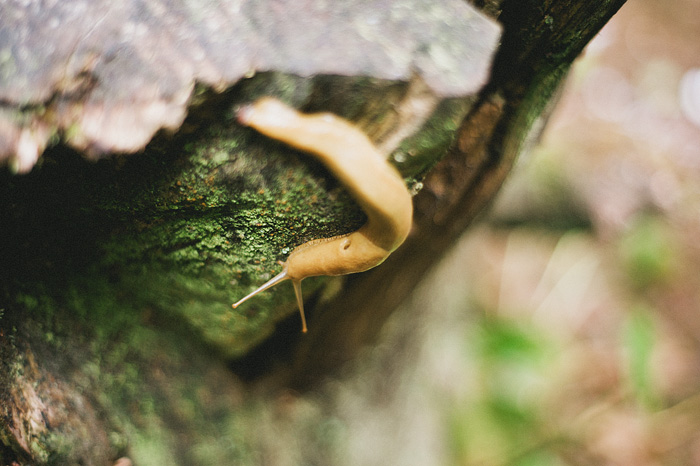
column 125, row 270
column 116, row 332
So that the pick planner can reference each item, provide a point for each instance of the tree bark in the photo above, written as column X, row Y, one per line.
column 116, row 277
column 540, row 43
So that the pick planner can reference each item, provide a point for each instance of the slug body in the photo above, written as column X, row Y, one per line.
column 353, row 159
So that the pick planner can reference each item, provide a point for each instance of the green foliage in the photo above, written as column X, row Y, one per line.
column 502, row 416
column 646, row 252
column 638, row 338
column 519, row 382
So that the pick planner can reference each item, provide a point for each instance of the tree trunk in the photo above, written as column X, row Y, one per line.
column 117, row 337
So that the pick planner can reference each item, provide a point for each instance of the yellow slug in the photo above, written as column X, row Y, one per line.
column 370, row 179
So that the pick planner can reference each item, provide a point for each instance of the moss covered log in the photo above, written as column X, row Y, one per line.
column 128, row 266
column 117, row 336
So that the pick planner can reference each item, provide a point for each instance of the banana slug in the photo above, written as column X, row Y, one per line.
column 371, row 180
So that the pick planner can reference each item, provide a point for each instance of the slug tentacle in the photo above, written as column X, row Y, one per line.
column 300, row 303
column 268, row 284
column 375, row 185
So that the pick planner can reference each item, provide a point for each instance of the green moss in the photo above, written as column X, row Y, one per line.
column 128, row 267
column 190, row 225
column 416, row 155
column 148, row 380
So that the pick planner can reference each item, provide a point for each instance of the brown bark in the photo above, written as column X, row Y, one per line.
column 541, row 41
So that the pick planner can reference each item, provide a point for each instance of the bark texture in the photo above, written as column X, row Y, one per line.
column 540, row 42
column 106, row 76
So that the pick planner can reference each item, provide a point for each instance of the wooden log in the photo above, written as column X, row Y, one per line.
column 116, row 276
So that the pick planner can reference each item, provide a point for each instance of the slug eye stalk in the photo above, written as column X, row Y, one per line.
column 370, row 179
column 272, row 282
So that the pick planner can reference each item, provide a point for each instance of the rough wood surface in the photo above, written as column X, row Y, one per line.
column 106, row 76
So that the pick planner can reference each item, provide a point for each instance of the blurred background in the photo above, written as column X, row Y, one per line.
column 564, row 329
